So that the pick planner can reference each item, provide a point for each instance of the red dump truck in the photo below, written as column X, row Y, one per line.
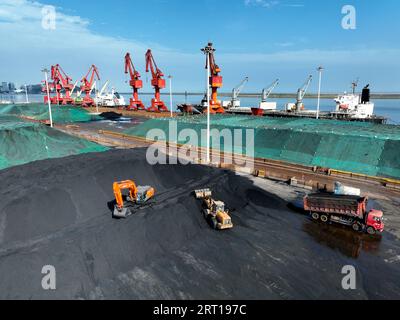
column 346, row 210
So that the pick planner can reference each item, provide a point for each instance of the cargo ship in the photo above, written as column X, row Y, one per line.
column 349, row 107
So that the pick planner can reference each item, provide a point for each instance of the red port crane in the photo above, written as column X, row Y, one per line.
column 61, row 81
column 87, row 85
column 157, row 105
column 135, row 83
column 215, row 79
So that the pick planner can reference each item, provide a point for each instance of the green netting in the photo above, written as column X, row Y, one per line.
column 38, row 111
column 23, row 142
column 389, row 163
column 358, row 147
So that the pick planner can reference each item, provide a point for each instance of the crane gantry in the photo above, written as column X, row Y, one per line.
column 135, row 83
column 158, row 82
column 87, row 85
column 215, row 80
column 60, row 81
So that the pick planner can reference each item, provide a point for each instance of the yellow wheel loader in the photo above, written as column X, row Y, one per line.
column 214, row 211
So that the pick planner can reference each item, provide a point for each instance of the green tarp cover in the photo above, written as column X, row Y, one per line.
column 358, row 147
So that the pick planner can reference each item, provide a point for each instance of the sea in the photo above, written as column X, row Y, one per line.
column 388, row 108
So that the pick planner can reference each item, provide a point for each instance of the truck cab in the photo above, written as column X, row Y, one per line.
column 375, row 221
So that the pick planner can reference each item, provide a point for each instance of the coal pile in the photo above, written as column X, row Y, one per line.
column 54, row 212
column 110, row 115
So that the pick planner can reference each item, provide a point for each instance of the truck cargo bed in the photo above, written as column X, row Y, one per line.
column 336, row 204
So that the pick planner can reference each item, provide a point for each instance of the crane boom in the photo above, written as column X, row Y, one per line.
column 63, row 77
column 158, row 82
column 135, row 83
column 301, row 93
column 268, row 90
column 104, row 88
column 306, row 85
column 94, row 87
column 74, row 87
column 238, row 89
column 61, row 81
column 87, row 85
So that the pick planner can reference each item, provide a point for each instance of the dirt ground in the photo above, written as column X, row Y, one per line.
column 55, row 212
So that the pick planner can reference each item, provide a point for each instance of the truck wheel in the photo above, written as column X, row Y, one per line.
column 356, row 227
column 315, row 216
column 371, row 231
column 324, row 219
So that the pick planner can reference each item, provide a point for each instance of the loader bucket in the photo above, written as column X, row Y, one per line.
column 203, row 193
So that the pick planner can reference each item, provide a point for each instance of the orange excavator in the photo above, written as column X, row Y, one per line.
column 135, row 83
column 137, row 197
column 215, row 79
column 158, row 82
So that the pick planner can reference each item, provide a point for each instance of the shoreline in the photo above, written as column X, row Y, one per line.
column 376, row 96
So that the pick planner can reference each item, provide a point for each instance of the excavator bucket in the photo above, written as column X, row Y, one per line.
column 121, row 213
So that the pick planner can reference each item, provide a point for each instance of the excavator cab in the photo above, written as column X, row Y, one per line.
column 136, row 198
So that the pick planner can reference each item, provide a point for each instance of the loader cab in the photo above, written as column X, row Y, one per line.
column 219, row 206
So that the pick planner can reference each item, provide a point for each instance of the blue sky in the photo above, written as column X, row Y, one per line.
column 261, row 39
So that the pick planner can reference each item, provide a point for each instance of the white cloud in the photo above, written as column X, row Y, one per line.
column 271, row 3
column 27, row 47
column 261, row 3
column 285, row 44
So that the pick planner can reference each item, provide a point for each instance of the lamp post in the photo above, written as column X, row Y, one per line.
column 170, row 94
column 45, row 71
column 320, row 69
column 207, row 50
column 26, row 94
